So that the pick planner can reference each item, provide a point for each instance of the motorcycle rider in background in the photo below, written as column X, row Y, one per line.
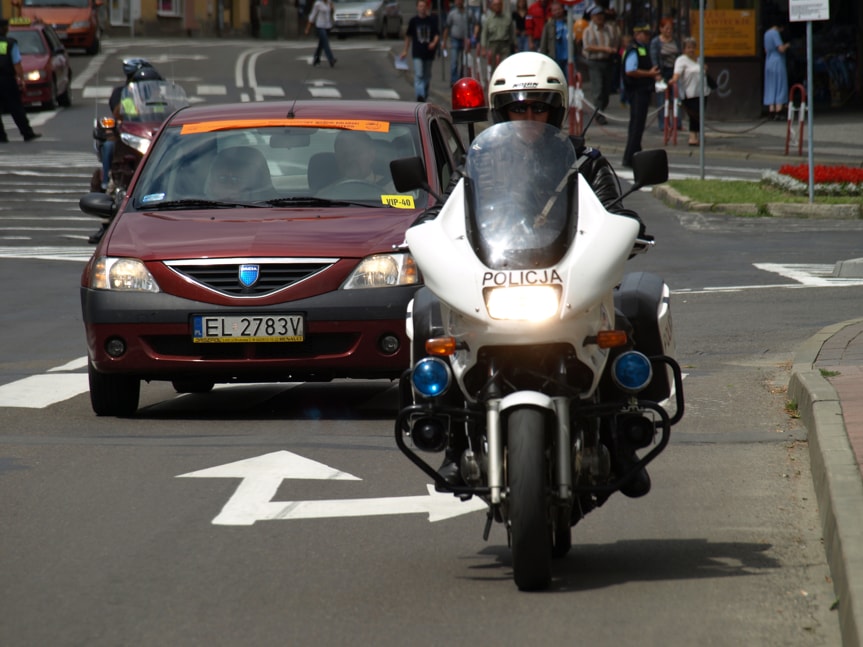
column 531, row 86
column 135, row 70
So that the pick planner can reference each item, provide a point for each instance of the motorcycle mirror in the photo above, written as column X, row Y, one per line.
column 100, row 205
column 648, row 168
column 409, row 174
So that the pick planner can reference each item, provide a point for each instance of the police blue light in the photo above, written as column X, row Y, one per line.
column 632, row 371
column 431, row 377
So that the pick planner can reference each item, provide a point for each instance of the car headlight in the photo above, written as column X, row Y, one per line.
column 523, row 303
column 140, row 144
column 80, row 24
column 34, row 75
column 383, row 271
column 369, row 13
column 122, row 274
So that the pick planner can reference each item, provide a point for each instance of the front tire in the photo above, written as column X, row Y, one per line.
column 113, row 395
column 528, row 505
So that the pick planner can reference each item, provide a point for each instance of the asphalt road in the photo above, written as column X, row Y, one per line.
column 119, row 531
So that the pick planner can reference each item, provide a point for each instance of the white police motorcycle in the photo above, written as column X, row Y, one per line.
column 548, row 369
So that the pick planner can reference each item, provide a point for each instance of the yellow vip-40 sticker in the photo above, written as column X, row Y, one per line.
column 398, row 201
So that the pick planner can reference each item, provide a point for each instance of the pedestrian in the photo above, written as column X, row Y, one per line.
column 519, row 17
column 600, row 43
column 775, row 71
column 537, row 13
column 11, row 84
column 474, row 11
column 664, row 51
column 687, row 76
column 456, row 36
column 641, row 77
column 321, row 17
column 497, row 38
column 422, row 38
column 554, row 42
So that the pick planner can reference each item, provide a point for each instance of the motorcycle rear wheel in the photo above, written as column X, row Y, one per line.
column 528, row 501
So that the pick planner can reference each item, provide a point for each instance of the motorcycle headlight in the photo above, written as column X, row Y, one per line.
column 122, row 274
column 383, row 271
column 523, row 303
column 140, row 144
column 34, row 75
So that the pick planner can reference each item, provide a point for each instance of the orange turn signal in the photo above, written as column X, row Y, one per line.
column 611, row 338
column 440, row 346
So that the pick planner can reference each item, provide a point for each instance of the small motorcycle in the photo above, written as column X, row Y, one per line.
column 533, row 354
column 144, row 106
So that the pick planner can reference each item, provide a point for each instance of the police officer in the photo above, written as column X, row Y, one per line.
column 11, row 82
column 640, row 80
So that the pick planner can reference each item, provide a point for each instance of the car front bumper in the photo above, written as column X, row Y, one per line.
column 343, row 335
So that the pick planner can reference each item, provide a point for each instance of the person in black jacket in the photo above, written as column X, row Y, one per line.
column 11, row 83
column 640, row 80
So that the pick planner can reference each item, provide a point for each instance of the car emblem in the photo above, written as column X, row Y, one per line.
column 249, row 275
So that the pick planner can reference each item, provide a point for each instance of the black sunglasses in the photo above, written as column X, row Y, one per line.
column 537, row 108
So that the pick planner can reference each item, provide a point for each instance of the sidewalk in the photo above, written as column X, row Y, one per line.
column 827, row 376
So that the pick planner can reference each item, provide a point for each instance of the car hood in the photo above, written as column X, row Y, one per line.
column 32, row 62
column 356, row 6
column 222, row 233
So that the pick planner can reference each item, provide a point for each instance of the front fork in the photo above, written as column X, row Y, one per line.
column 559, row 407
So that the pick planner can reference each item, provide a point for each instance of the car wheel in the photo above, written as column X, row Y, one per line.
column 382, row 33
column 65, row 99
column 397, row 32
column 193, row 385
column 51, row 103
column 113, row 395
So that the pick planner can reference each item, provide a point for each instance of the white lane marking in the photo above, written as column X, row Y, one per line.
column 81, row 254
column 211, row 90
column 263, row 475
column 382, row 93
column 40, row 391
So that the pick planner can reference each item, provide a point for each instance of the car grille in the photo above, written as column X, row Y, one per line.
column 224, row 275
column 316, row 345
column 347, row 16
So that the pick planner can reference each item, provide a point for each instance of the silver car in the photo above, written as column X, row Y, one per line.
column 380, row 17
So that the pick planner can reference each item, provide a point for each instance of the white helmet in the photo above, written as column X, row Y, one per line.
column 528, row 76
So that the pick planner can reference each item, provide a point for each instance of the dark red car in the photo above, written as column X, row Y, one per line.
column 47, row 72
column 261, row 242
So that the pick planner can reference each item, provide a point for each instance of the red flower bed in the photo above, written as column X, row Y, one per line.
column 824, row 174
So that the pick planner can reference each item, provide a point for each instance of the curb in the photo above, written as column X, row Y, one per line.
column 836, row 477
column 674, row 198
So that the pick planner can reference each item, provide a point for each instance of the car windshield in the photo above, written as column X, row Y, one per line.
column 56, row 3
column 29, row 42
column 226, row 165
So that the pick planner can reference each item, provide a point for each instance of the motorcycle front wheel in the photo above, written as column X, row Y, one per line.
column 528, row 505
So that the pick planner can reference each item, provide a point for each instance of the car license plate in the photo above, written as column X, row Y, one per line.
column 247, row 328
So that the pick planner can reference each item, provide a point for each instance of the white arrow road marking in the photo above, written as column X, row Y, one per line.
column 262, row 476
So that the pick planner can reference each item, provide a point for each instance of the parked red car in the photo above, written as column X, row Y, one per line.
column 261, row 242
column 47, row 72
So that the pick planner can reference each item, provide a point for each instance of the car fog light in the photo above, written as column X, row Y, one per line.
column 389, row 344
column 431, row 377
column 115, row 347
column 632, row 371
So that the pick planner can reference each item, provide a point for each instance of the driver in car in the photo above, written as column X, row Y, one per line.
column 355, row 159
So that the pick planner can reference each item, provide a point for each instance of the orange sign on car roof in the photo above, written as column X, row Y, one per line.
column 232, row 124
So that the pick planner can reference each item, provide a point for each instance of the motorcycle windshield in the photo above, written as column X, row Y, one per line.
column 151, row 101
column 520, row 189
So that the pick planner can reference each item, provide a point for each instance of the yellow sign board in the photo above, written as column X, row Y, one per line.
column 727, row 32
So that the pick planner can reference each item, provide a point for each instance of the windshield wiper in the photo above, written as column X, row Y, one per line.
column 198, row 204
column 316, row 202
